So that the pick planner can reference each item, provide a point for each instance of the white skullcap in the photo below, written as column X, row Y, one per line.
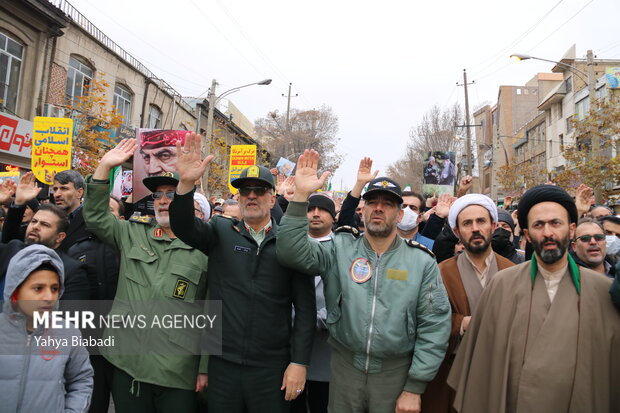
column 471, row 199
column 204, row 205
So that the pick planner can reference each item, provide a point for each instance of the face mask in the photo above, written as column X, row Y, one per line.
column 613, row 244
column 501, row 240
column 409, row 221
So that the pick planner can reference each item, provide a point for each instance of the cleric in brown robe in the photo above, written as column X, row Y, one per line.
column 473, row 218
column 545, row 335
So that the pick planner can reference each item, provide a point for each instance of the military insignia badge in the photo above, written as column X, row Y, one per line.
column 361, row 270
column 180, row 289
column 253, row 172
column 168, row 174
column 158, row 232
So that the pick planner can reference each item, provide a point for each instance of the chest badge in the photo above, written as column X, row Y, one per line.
column 361, row 270
column 180, row 289
column 158, row 232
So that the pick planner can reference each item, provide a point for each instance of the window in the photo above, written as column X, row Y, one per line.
column 561, row 141
column 11, row 54
column 78, row 77
column 569, row 84
column 582, row 107
column 569, row 124
column 122, row 103
column 154, row 117
column 560, row 114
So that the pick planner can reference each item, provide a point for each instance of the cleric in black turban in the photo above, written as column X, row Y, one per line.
column 545, row 193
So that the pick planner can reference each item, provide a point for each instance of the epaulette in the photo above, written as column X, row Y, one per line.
column 416, row 244
column 349, row 230
column 136, row 217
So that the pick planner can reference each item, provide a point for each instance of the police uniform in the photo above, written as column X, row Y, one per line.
column 158, row 271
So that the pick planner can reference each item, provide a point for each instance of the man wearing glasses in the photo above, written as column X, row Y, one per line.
column 589, row 248
column 156, row 268
column 264, row 352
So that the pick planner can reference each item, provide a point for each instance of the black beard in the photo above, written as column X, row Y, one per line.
column 551, row 256
column 477, row 249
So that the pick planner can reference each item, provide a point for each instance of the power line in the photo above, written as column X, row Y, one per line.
column 505, row 49
column 562, row 25
column 158, row 50
column 252, row 43
column 226, row 38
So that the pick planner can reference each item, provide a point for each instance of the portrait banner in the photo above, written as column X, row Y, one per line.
column 156, row 154
column 52, row 139
column 241, row 156
column 439, row 172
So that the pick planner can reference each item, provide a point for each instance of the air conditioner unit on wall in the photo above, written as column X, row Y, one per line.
column 54, row 111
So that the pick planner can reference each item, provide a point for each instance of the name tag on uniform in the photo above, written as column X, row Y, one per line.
column 239, row 248
column 400, row 275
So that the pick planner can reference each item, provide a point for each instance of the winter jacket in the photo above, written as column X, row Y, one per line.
column 36, row 376
column 255, row 290
column 379, row 307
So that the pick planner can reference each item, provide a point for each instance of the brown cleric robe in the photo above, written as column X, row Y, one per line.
column 438, row 397
column 523, row 353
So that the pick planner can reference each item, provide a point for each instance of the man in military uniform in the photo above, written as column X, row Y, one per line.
column 264, row 354
column 156, row 269
column 387, row 309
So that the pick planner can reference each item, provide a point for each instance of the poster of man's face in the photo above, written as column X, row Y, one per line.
column 156, row 154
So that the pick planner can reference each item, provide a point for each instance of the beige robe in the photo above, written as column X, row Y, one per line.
column 523, row 354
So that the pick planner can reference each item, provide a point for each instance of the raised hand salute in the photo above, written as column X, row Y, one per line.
column 115, row 157
column 189, row 164
column 306, row 179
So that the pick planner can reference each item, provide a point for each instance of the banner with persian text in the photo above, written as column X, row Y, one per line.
column 52, row 139
column 241, row 156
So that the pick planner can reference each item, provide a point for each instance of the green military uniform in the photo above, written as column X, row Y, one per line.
column 153, row 269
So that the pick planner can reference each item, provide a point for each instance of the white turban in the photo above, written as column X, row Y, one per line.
column 204, row 205
column 471, row 199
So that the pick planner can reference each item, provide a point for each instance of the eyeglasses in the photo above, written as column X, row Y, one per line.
column 159, row 194
column 587, row 238
column 258, row 190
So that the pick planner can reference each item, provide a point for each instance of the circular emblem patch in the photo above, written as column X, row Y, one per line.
column 360, row 270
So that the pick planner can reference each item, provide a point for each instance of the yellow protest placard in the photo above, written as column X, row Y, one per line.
column 51, row 146
column 241, row 156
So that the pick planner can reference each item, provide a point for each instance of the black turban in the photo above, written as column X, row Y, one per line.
column 545, row 193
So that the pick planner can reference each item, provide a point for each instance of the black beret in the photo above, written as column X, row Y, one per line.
column 545, row 193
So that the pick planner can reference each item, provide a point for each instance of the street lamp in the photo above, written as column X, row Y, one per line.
column 213, row 101
column 581, row 74
column 591, row 82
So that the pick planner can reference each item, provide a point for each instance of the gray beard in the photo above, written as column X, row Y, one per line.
column 383, row 232
column 551, row 256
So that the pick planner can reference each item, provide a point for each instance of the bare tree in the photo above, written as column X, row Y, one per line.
column 307, row 129
column 435, row 132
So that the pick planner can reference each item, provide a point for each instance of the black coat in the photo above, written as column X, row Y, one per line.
column 101, row 260
column 77, row 286
column 256, row 291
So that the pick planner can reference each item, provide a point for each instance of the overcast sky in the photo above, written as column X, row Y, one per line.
column 379, row 65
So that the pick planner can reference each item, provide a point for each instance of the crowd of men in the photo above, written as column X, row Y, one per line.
column 384, row 302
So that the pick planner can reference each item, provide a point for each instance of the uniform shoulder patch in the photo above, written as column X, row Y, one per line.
column 147, row 220
column 346, row 229
column 416, row 244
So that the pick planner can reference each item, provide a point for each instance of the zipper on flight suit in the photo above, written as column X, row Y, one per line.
column 372, row 315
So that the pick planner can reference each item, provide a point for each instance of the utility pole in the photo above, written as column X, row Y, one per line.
column 288, row 112
column 595, row 140
column 207, row 138
column 467, row 125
